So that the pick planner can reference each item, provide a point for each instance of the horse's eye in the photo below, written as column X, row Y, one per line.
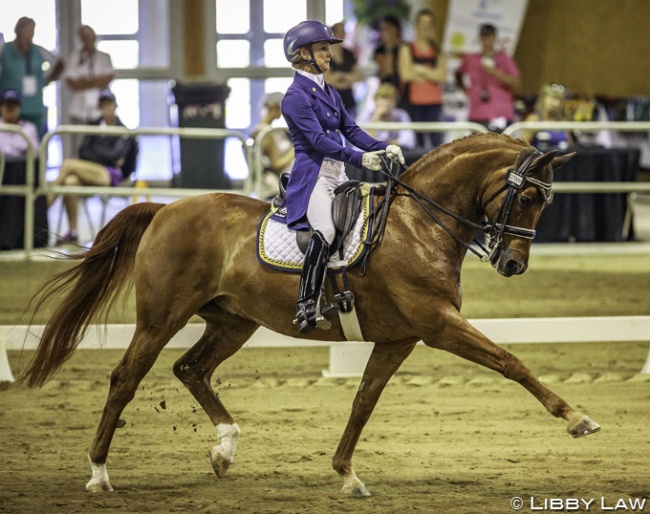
column 525, row 201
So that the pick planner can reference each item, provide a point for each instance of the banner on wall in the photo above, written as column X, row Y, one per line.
column 465, row 16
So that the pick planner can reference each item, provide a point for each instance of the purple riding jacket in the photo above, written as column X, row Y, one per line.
column 317, row 120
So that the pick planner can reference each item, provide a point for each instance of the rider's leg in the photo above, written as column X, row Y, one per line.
column 308, row 314
column 319, row 214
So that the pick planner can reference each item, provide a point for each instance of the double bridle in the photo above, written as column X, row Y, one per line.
column 515, row 180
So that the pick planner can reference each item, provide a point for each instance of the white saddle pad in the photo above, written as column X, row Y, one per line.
column 278, row 249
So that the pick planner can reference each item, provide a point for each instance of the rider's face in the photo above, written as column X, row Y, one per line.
column 322, row 55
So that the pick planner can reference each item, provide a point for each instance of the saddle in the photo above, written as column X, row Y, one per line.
column 346, row 208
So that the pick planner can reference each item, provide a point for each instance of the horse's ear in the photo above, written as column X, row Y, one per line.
column 561, row 160
column 543, row 160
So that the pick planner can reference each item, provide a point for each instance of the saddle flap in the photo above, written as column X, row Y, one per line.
column 346, row 206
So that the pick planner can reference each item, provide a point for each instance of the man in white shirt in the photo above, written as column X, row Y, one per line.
column 87, row 72
column 12, row 144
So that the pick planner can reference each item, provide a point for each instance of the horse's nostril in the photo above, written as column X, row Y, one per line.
column 512, row 267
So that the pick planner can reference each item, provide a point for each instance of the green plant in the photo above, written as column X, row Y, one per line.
column 368, row 12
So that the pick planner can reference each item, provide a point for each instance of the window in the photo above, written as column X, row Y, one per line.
column 137, row 39
column 250, row 50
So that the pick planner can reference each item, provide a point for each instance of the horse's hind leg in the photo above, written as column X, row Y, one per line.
column 461, row 338
column 146, row 345
column 224, row 335
column 383, row 363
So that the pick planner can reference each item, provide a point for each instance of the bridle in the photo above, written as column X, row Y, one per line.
column 515, row 180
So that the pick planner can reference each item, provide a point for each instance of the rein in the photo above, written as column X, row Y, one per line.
column 515, row 181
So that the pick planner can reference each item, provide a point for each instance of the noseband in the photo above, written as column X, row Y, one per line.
column 515, row 181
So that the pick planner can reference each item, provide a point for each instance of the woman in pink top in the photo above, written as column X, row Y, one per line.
column 492, row 76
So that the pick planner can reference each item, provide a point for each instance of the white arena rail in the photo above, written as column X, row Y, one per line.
column 348, row 359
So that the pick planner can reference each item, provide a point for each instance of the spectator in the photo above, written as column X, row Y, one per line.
column 21, row 68
column 13, row 144
column 344, row 71
column 386, row 110
column 493, row 76
column 103, row 161
column 423, row 69
column 549, row 107
column 277, row 148
column 87, row 71
column 386, row 55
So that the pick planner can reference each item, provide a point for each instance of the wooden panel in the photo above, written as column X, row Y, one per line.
column 193, row 38
column 594, row 47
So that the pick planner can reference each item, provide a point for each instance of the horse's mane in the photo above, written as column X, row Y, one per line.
column 473, row 142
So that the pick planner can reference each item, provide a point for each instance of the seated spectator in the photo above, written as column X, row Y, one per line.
column 103, row 161
column 344, row 71
column 386, row 54
column 277, row 148
column 386, row 110
column 549, row 107
column 12, row 144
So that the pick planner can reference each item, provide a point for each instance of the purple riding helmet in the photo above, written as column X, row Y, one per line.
column 304, row 34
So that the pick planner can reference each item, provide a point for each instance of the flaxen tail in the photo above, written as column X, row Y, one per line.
column 89, row 288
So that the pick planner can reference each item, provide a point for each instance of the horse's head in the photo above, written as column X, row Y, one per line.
column 513, row 203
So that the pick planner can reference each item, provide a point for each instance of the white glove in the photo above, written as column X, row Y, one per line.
column 394, row 153
column 371, row 160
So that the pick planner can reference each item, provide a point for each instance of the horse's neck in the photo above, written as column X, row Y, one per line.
column 450, row 180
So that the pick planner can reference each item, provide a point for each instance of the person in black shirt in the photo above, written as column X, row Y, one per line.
column 344, row 71
column 386, row 53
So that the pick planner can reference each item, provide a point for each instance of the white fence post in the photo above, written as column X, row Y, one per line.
column 5, row 370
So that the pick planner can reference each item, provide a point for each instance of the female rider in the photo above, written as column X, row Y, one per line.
column 317, row 119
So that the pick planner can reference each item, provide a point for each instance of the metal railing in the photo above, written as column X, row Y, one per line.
column 463, row 127
column 189, row 133
column 253, row 157
column 589, row 126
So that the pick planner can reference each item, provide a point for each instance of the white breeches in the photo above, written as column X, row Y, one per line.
column 319, row 211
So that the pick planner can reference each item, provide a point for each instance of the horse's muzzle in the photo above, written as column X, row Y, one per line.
column 509, row 262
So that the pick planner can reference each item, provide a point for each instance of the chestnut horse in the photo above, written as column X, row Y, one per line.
column 198, row 256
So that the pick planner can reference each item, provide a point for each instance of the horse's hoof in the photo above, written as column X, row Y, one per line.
column 582, row 425
column 99, row 482
column 352, row 486
column 98, row 487
column 360, row 491
column 220, row 465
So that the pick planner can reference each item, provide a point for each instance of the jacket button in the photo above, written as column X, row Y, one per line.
column 336, row 114
column 327, row 131
column 328, row 113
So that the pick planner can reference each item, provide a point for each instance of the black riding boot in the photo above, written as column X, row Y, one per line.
column 309, row 313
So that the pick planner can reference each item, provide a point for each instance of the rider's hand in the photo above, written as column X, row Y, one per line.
column 371, row 160
column 394, row 153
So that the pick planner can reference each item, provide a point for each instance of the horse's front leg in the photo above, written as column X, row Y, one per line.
column 384, row 360
column 459, row 337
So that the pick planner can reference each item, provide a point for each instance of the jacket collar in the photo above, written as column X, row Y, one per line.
column 324, row 94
